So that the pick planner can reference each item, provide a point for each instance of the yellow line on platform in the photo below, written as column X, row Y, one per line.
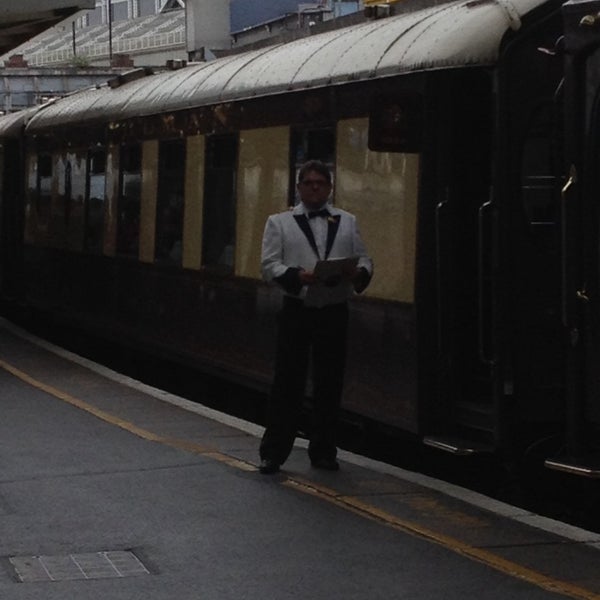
column 348, row 503
column 478, row 554
column 145, row 434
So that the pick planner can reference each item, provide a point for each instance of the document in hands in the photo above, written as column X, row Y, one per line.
column 335, row 267
column 333, row 282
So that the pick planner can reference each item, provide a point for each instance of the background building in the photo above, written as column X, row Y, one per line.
column 150, row 32
column 20, row 21
column 88, row 48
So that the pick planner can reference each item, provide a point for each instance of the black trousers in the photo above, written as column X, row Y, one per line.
column 306, row 335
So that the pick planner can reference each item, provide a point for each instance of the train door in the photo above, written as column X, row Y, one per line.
column 527, row 180
column 11, row 218
column 500, row 306
column 457, row 177
column 581, row 242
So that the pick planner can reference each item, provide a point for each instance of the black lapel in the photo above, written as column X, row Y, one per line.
column 333, row 224
column 303, row 224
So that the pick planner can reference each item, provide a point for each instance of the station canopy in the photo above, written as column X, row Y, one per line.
column 20, row 20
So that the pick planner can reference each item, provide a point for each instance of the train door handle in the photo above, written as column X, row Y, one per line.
column 440, row 240
column 570, row 182
column 488, row 251
column 566, row 237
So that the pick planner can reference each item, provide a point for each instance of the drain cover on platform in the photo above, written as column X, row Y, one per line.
column 92, row 565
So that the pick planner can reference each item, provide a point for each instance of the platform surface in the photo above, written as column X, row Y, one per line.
column 111, row 490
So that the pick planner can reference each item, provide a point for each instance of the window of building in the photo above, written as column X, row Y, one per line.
column 130, row 188
column 218, row 235
column 120, row 10
column 147, row 7
column 93, row 17
column 170, row 202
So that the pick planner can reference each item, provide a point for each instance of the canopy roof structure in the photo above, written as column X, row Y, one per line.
column 22, row 19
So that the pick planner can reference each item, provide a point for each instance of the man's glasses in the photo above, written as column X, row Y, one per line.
column 315, row 182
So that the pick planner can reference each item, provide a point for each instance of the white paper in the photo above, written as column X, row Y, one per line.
column 325, row 269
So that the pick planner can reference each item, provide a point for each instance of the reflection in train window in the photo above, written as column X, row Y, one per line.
column 218, row 232
column 44, row 188
column 130, row 187
column 396, row 123
column 94, row 210
column 169, row 202
column 71, row 188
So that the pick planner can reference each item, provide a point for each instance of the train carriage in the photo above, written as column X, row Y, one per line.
column 145, row 201
column 580, row 239
column 12, row 194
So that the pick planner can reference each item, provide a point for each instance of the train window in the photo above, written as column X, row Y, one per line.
column 218, row 233
column 2, row 159
column 44, row 188
column 310, row 144
column 313, row 144
column 538, row 170
column 94, row 207
column 130, row 188
column 71, row 189
column 395, row 123
column 169, row 202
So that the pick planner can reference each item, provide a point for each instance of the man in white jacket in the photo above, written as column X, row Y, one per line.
column 314, row 252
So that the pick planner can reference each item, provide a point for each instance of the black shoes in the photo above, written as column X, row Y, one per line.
column 268, row 466
column 325, row 464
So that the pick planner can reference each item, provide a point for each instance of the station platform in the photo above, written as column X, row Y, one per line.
column 111, row 490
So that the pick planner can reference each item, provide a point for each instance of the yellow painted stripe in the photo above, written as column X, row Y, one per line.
column 349, row 503
column 478, row 554
column 126, row 425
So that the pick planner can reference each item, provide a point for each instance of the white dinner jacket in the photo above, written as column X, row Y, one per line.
column 286, row 244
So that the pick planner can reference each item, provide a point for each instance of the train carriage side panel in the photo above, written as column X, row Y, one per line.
column 381, row 189
column 148, row 214
column 263, row 179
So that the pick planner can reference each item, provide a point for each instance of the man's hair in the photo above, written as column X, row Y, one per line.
column 317, row 166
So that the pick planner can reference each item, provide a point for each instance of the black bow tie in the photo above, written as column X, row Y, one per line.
column 319, row 213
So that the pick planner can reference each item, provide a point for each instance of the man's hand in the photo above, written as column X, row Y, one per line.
column 308, row 277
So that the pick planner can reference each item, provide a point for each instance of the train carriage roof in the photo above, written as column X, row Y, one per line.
column 461, row 33
column 11, row 125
